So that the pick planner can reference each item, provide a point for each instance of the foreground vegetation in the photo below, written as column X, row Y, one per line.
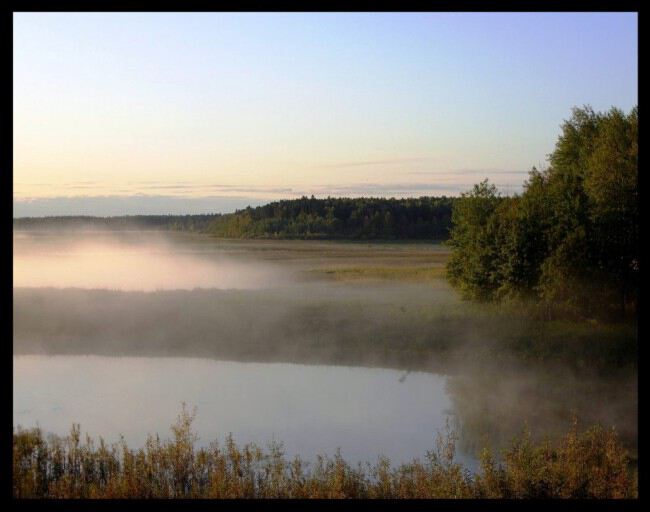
column 589, row 464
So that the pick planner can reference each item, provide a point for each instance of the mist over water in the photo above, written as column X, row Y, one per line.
column 130, row 262
column 388, row 361
column 149, row 294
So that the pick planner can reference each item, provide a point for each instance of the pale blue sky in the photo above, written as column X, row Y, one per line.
column 257, row 106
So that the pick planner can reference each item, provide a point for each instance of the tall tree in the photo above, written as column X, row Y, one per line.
column 571, row 239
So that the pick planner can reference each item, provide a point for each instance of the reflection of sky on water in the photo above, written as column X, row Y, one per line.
column 311, row 409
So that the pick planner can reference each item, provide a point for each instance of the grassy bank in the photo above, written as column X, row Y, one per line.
column 583, row 464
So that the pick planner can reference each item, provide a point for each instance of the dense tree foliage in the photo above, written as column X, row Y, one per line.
column 341, row 218
column 570, row 239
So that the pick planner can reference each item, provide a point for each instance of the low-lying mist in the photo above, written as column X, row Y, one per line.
column 154, row 294
column 130, row 261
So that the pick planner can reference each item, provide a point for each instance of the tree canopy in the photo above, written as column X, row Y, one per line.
column 341, row 218
column 570, row 240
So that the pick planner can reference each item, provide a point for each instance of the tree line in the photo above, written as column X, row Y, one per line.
column 305, row 218
column 341, row 218
column 570, row 241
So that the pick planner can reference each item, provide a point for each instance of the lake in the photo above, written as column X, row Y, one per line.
column 311, row 409
column 318, row 345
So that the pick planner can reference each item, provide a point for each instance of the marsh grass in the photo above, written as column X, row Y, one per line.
column 589, row 464
column 397, row 273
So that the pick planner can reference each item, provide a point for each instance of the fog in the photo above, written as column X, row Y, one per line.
column 143, row 295
column 129, row 261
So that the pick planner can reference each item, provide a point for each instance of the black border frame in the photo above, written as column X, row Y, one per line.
column 262, row 6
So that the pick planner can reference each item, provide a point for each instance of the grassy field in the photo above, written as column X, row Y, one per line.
column 377, row 273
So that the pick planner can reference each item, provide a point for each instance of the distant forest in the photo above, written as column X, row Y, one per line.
column 341, row 218
column 424, row 218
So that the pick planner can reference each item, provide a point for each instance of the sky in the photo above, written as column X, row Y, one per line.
column 153, row 113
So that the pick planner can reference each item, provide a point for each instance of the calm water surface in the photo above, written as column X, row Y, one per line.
column 311, row 409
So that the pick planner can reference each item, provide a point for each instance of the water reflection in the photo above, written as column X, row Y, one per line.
column 311, row 409
column 493, row 406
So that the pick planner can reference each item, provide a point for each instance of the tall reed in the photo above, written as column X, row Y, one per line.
column 587, row 464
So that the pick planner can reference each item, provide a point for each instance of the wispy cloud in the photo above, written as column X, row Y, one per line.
column 469, row 172
column 217, row 198
column 383, row 188
column 141, row 188
column 403, row 189
column 368, row 163
column 242, row 189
